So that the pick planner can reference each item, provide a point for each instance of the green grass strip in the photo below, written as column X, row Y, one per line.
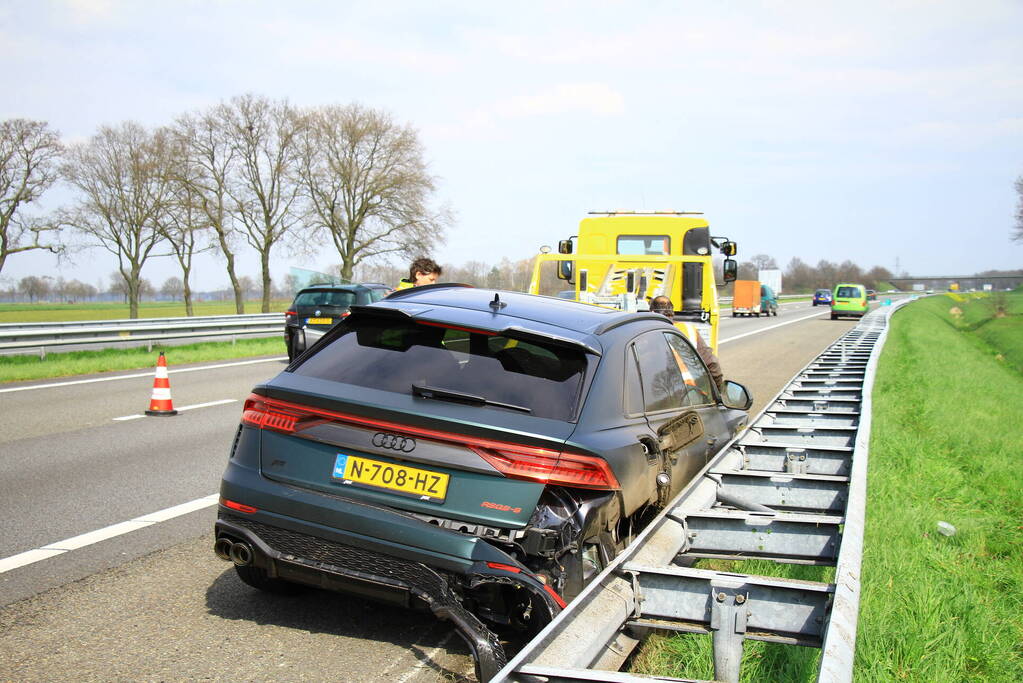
column 20, row 368
column 53, row 312
column 946, row 445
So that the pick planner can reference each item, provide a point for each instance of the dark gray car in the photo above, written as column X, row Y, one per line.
column 318, row 308
column 480, row 454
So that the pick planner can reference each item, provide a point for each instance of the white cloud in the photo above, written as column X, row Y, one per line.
column 89, row 11
column 585, row 98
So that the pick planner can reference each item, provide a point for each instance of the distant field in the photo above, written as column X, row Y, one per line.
column 40, row 313
column 945, row 446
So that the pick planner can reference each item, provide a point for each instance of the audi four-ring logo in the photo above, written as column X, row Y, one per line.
column 405, row 444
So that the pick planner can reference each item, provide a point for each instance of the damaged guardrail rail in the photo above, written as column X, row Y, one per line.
column 792, row 489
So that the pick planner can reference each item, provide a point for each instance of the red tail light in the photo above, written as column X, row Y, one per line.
column 289, row 313
column 515, row 461
column 258, row 413
column 240, row 507
column 549, row 467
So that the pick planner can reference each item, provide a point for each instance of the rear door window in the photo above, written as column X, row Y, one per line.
column 661, row 379
column 393, row 355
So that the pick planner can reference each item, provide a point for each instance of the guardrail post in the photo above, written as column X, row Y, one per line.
column 42, row 353
column 728, row 614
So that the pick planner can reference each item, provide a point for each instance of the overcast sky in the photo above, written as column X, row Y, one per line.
column 870, row 131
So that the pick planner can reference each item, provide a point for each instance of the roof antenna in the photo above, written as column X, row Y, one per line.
column 497, row 304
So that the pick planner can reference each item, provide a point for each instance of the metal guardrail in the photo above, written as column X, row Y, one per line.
column 117, row 322
column 42, row 336
column 791, row 489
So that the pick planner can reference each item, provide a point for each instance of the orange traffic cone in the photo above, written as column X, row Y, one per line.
column 161, row 405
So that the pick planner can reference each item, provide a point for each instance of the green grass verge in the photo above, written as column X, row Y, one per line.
column 46, row 313
column 945, row 446
column 20, row 368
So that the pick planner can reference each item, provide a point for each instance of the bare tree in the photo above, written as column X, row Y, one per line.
column 1017, row 231
column 124, row 190
column 762, row 261
column 367, row 185
column 34, row 287
column 29, row 158
column 264, row 138
column 184, row 221
column 210, row 158
column 173, row 287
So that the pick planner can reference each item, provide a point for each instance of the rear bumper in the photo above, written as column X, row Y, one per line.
column 374, row 552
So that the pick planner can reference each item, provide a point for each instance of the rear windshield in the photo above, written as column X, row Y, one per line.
column 340, row 298
column 393, row 355
column 849, row 292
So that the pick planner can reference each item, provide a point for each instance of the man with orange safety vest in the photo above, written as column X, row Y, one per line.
column 662, row 305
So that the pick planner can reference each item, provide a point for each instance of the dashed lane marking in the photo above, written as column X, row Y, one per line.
column 181, row 409
column 112, row 531
column 51, row 385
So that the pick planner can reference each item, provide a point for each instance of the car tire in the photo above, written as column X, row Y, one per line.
column 834, row 317
column 260, row 580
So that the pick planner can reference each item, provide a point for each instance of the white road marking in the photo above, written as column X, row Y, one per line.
column 770, row 327
column 142, row 374
column 182, row 408
column 86, row 539
column 427, row 657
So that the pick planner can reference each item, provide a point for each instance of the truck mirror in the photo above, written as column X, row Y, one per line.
column 729, row 248
column 565, row 246
column 565, row 270
column 730, row 269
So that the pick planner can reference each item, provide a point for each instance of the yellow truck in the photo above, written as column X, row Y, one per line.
column 622, row 259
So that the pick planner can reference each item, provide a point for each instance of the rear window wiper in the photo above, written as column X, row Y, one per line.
column 461, row 397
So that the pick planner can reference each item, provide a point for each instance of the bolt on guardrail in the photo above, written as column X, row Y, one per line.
column 790, row 489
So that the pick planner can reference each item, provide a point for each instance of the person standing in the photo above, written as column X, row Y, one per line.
column 423, row 271
column 663, row 305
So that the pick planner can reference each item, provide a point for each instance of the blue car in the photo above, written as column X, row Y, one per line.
column 822, row 297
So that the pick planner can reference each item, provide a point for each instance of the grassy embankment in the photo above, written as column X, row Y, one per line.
column 62, row 364
column 946, row 446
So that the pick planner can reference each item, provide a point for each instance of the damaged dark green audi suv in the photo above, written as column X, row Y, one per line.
column 479, row 454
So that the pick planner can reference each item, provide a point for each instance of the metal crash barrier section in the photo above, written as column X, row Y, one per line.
column 790, row 489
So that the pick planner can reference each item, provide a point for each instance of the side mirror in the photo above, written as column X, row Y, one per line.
column 730, row 270
column 729, row 248
column 736, row 396
column 565, row 246
column 565, row 270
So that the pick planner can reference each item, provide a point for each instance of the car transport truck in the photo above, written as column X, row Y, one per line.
column 624, row 258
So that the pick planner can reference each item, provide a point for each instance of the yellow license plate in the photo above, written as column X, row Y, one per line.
column 320, row 321
column 410, row 481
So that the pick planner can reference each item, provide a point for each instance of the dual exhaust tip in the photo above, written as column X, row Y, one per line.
column 238, row 552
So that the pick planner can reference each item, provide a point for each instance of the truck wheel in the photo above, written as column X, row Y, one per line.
column 775, row 313
column 734, row 314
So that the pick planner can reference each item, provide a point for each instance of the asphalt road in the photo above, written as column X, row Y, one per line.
column 154, row 603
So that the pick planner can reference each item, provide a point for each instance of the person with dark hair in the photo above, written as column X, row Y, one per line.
column 423, row 271
column 663, row 305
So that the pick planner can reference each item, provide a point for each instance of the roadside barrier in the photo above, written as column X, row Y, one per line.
column 161, row 404
column 791, row 489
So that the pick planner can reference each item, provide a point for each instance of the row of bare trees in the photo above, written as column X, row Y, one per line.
column 249, row 173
